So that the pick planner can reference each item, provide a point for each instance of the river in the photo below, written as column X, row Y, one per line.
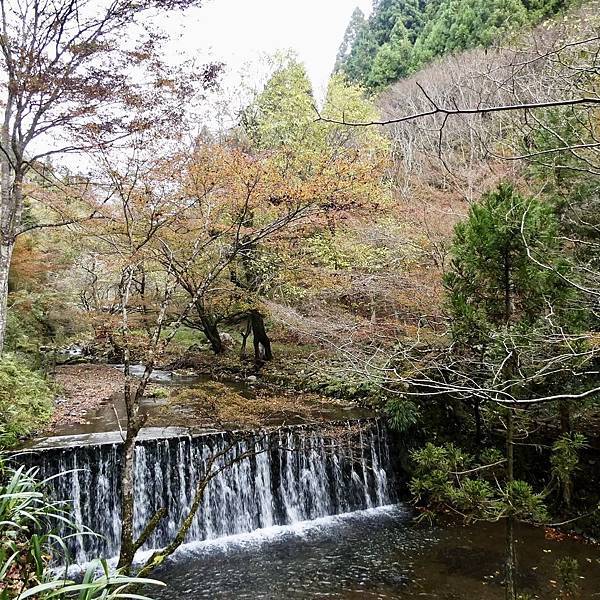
column 309, row 515
column 373, row 554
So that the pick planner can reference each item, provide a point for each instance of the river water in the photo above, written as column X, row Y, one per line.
column 341, row 552
column 372, row 554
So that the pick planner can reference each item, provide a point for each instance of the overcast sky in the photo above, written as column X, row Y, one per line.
column 238, row 31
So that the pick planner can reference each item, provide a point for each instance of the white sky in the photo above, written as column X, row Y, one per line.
column 238, row 31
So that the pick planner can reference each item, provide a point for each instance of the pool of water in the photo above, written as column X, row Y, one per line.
column 376, row 553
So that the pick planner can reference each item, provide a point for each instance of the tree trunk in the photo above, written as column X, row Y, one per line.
column 127, row 501
column 6, row 250
column 210, row 329
column 478, row 432
column 245, row 335
column 262, row 343
column 565, row 416
column 128, row 466
column 511, row 566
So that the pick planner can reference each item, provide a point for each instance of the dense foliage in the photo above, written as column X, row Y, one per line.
column 25, row 400
column 402, row 35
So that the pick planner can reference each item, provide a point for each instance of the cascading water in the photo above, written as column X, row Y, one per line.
column 264, row 478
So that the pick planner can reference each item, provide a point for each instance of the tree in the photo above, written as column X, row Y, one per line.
column 287, row 173
column 69, row 79
column 513, row 333
column 282, row 113
column 144, row 311
column 434, row 29
column 496, row 296
column 248, row 206
column 353, row 32
column 393, row 60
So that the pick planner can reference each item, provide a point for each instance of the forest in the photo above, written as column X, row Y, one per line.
column 342, row 345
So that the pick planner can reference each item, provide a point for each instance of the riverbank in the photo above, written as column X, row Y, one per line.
column 83, row 389
column 91, row 401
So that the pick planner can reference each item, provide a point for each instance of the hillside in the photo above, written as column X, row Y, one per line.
column 401, row 36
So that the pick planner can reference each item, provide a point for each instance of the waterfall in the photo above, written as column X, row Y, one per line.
column 271, row 478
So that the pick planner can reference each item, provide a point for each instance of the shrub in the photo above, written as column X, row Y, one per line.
column 29, row 542
column 25, row 400
column 403, row 414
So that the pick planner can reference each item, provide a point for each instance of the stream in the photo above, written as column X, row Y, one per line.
column 375, row 554
column 312, row 513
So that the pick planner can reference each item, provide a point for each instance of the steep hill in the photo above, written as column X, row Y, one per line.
column 403, row 35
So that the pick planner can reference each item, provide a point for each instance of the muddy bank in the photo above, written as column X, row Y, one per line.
column 83, row 389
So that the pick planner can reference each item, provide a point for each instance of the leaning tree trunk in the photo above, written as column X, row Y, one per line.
column 262, row 343
column 210, row 329
column 6, row 250
column 127, row 473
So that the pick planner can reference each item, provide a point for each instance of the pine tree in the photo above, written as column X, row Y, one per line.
column 403, row 35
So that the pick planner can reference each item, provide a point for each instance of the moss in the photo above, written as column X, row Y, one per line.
column 25, row 400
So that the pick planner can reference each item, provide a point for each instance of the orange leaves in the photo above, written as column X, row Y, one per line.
column 30, row 264
column 279, row 183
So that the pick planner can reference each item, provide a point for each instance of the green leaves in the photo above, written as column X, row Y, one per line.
column 403, row 35
column 403, row 414
column 282, row 114
column 97, row 584
column 494, row 281
column 506, row 295
column 520, row 501
column 565, row 461
column 25, row 400
column 445, row 478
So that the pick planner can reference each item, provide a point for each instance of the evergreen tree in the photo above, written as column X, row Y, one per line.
column 393, row 59
column 505, row 309
column 494, row 283
column 353, row 31
column 283, row 112
column 403, row 35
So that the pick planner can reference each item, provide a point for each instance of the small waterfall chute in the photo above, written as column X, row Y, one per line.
column 271, row 478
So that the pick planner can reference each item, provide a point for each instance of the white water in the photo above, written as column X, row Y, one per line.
column 265, row 481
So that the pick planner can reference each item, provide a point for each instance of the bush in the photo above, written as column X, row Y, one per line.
column 445, row 477
column 25, row 400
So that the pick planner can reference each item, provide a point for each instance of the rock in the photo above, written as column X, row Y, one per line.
column 184, row 372
column 228, row 340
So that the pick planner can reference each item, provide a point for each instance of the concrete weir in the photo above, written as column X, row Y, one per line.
column 259, row 479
